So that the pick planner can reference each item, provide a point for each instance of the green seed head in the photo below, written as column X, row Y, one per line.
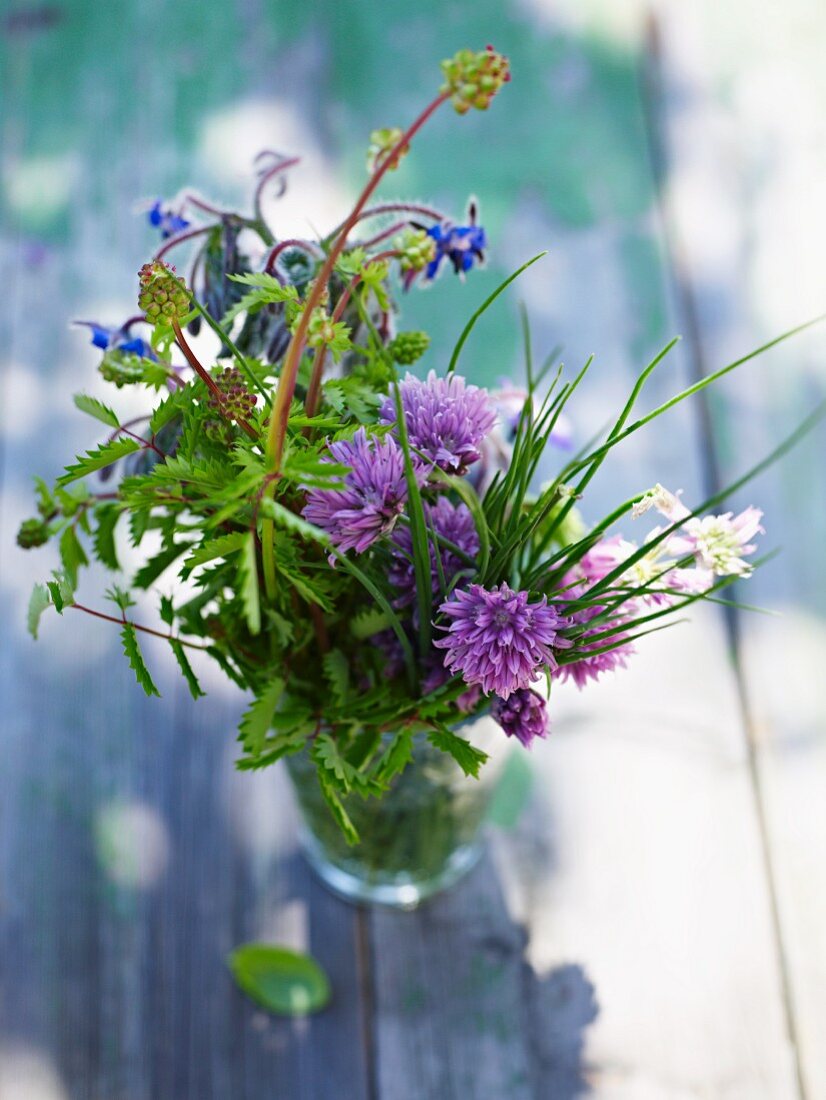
column 163, row 297
column 407, row 347
column 33, row 532
column 473, row 79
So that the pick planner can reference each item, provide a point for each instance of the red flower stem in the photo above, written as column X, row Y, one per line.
column 136, row 626
column 207, row 207
column 147, row 444
column 208, row 380
column 289, row 371
column 290, row 162
column 395, row 228
column 392, row 208
column 314, row 389
column 179, row 238
column 290, row 242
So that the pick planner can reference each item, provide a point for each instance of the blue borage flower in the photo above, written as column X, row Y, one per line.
column 463, row 245
column 118, row 339
column 164, row 218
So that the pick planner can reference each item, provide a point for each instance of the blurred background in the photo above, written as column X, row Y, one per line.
column 654, row 923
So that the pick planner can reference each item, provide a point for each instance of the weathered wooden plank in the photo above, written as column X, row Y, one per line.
column 756, row 276
column 132, row 858
column 644, row 801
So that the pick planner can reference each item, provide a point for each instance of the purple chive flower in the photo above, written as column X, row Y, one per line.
column 452, row 522
column 372, row 496
column 462, row 245
column 523, row 715
column 118, row 339
column 497, row 639
column 446, row 418
column 164, row 218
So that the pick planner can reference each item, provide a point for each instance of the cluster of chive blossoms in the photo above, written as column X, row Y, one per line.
column 500, row 641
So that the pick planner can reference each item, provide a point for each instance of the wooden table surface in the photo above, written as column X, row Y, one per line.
column 653, row 925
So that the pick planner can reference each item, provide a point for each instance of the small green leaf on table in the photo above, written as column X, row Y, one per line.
column 282, row 981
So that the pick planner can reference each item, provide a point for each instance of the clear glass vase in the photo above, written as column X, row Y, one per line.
column 419, row 838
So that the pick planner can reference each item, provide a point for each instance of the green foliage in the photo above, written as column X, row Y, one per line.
column 336, row 807
column 107, row 516
column 97, row 409
column 259, row 716
column 195, row 689
column 467, row 756
column 72, row 554
column 129, row 638
column 38, row 602
column 267, row 290
column 102, row 456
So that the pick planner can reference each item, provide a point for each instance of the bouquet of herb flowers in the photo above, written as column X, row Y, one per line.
column 362, row 548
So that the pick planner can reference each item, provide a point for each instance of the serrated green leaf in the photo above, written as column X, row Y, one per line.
column 120, row 597
column 467, row 756
column 57, row 598
column 166, row 411
column 282, row 981
column 274, row 748
column 337, row 674
column 248, row 584
column 336, row 808
column 97, row 409
column 129, row 638
column 271, row 509
column 221, row 547
column 396, row 757
column 303, row 585
column 102, row 456
column 226, row 667
column 368, row 622
column 138, row 525
column 72, row 554
column 257, row 719
column 264, row 281
column 103, row 540
column 152, row 569
column 38, row 602
column 339, row 771
column 62, row 591
column 195, row 688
